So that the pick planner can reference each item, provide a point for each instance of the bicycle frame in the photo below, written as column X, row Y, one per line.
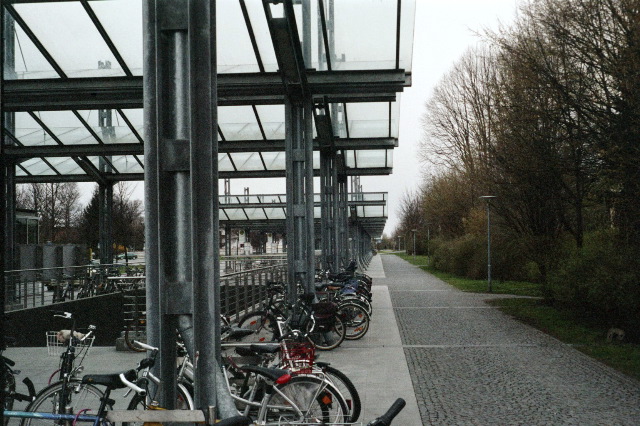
column 96, row 420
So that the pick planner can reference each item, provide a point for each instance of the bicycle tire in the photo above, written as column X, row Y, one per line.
column 9, row 390
column 318, row 400
column 355, row 318
column 184, row 401
column 82, row 397
column 346, row 388
column 264, row 326
column 329, row 339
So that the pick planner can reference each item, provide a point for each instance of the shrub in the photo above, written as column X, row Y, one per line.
column 602, row 278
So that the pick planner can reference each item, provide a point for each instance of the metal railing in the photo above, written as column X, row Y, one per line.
column 241, row 280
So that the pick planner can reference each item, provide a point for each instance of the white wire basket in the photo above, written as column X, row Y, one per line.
column 55, row 347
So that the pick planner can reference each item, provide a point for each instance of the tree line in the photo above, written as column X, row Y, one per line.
column 64, row 220
column 544, row 115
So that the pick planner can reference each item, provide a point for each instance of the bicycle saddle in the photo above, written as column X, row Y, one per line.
column 270, row 373
column 110, row 380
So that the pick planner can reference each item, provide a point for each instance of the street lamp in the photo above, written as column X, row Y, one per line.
column 488, row 198
column 414, row 242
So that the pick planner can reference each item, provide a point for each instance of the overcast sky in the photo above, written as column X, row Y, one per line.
column 444, row 29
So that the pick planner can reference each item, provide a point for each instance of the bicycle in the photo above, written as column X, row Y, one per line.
column 9, row 379
column 299, row 359
column 59, row 397
column 320, row 321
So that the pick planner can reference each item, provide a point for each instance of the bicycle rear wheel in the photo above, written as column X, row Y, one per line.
column 355, row 319
column 79, row 397
column 327, row 338
column 318, row 401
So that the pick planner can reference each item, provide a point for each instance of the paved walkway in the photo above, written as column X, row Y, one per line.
column 471, row 364
column 455, row 360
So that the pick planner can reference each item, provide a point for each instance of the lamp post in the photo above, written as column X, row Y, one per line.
column 488, row 199
column 414, row 242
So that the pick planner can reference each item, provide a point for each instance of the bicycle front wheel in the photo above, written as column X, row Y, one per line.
column 309, row 400
column 78, row 397
column 264, row 327
column 183, row 402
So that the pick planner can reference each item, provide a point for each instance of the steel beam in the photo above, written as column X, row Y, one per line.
column 233, row 89
column 111, row 149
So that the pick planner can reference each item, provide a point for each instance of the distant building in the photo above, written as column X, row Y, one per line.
column 27, row 226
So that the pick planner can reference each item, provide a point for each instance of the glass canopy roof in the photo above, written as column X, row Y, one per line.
column 99, row 42
column 79, row 36
column 370, row 210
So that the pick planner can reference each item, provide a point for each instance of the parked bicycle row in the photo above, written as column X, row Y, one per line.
column 269, row 361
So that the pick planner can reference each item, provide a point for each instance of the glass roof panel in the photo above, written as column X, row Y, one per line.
column 224, row 163
column 29, row 132
column 126, row 164
column 349, row 159
column 245, row 161
column 235, row 214
column 272, row 119
column 275, row 213
column 36, row 166
column 407, row 25
column 315, row 29
column 255, row 214
column 260, row 27
column 371, row 158
column 238, row 123
column 68, row 34
column 235, row 55
column 30, row 63
column 103, row 164
column 66, row 166
column 274, row 160
column 365, row 34
column 373, row 211
column 66, row 126
column 122, row 20
column 368, row 119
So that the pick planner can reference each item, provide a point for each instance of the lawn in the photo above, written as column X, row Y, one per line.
column 518, row 288
column 570, row 327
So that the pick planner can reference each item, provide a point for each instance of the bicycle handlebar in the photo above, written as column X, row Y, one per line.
column 145, row 346
column 137, row 389
column 392, row 412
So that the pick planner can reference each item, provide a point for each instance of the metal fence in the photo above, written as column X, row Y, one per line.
column 242, row 278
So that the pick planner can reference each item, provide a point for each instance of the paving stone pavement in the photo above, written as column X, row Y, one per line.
column 471, row 364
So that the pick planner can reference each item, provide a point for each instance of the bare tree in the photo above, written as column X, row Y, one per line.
column 57, row 204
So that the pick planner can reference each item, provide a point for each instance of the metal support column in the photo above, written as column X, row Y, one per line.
column 105, row 214
column 343, row 220
column 326, row 202
column 300, row 231
column 182, row 193
column 9, row 169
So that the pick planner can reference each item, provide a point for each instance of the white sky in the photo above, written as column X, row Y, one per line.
column 444, row 29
